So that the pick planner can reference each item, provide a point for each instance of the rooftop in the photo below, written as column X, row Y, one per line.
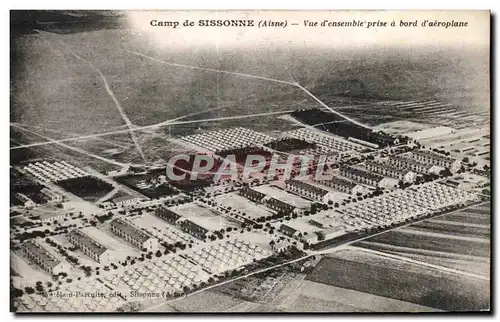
column 307, row 186
column 253, row 192
column 164, row 211
column 96, row 247
column 288, row 229
column 411, row 161
column 41, row 252
column 362, row 173
column 130, row 230
column 433, row 155
column 385, row 166
column 49, row 193
column 279, row 203
column 202, row 223
column 343, row 182
column 124, row 198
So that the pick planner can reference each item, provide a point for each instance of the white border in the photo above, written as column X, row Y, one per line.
column 200, row 4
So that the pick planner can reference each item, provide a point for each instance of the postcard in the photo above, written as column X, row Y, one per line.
column 250, row 161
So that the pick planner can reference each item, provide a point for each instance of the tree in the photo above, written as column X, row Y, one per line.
column 445, row 172
column 29, row 290
column 158, row 253
column 16, row 292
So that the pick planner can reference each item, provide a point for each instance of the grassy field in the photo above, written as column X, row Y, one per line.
column 469, row 217
column 240, row 203
column 443, row 244
column 460, row 230
column 203, row 216
column 314, row 296
column 312, row 304
column 77, row 101
column 471, row 265
column 207, row 301
column 283, row 195
column 462, row 233
column 446, row 292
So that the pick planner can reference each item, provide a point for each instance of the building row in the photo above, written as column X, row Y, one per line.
column 337, row 143
column 56, row 171
column 126, row 201
column 90, row 247
column 134, row 235
column 45, row 195
column 308, row 190
column 270, row 202
column 185, row 225
column 362, row 176
column 51, row 196
column 342, row 185
column 411, row 164
column 228, row 139
column 253, row 195
column 38, row 254
column 430, row 157
column 278, row 205
column 390, row 171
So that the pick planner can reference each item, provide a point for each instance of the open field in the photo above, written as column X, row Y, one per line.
column 465, row 232
column 401, row 127
column 164, row 230
column 444, row 292
column 450, row 227
column 207, row 301
column 251, row 209
column 475, row 265
column 469, row 216
column 437, row 243
column 317, row 297
column 135, row 81
column 455, row 244
column 311, row 304
column 78, row 101
column 203, row 216
column 283, row 195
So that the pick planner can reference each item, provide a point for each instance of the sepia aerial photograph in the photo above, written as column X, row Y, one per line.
column 250, row 161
